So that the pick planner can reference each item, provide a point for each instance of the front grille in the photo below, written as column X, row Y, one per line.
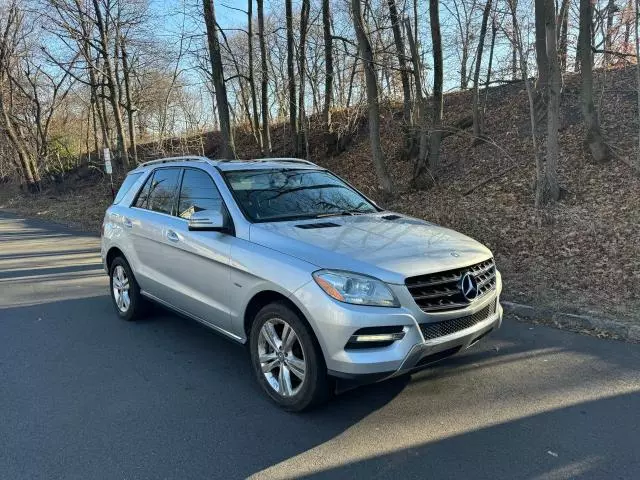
column 447, row 327
column 441, row 291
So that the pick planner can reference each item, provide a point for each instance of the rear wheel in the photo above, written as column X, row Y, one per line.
column 125, row 291
column 287, row 360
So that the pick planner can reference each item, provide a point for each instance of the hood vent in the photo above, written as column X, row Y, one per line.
column 311, row 226
column 391, row 217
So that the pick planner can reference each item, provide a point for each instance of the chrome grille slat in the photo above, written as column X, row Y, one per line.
column 440, row 291
column 436, row 282
column 437, row 294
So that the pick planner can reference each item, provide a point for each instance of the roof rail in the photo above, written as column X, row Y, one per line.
column 285, row 160
column 173, row 159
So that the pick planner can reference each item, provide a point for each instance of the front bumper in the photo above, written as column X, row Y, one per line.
column 335, row 322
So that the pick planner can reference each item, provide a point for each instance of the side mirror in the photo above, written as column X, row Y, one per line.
column 207, row 220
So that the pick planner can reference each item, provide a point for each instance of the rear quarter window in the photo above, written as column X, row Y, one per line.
column 129, row 181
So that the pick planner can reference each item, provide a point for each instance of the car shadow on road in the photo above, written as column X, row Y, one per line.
column 175, row 394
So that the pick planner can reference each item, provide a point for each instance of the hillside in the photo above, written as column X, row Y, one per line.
column 581, row 254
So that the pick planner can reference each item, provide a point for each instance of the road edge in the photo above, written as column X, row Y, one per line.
column 571, row 321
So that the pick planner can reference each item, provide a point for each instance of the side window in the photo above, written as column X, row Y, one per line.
column 198, row 192
column 128, row 182
column 143, row 195
column 163, row 190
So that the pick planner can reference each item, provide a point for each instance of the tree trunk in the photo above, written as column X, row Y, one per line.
column 112, row 84
column 423, row 136
column 29, row 169
column 293, row 124
column 366, row 53
column 264, row 87
column 542, row 61
column 636, row 19
column 611, row 10
column 328, row 74
column 464, row 77
column 514, row 50
column 494, row 32
column 252, row 82
column 562, row 34
column 228, row 147
column 593, row 137
column 302, row 62
column 436, row 41
column 130, row 108
column 553, row 109
column 477, row 121
column 518, row 46
column 404, row 75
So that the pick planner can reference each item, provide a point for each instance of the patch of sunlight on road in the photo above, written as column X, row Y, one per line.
column 562, row 379
column 38, row 266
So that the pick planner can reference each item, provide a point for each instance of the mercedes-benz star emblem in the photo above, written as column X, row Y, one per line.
column 469, row 286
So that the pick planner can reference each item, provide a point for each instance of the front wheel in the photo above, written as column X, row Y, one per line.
column 287, row 360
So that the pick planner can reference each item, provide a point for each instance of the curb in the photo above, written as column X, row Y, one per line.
column 624, row 331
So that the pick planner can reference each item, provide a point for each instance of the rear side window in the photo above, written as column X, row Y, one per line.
column 198, row 192
column 159, row 191
column 163, row 190
column 126, row 186
column 143, row 196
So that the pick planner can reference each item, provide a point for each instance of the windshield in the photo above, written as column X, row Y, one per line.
column 288, row 194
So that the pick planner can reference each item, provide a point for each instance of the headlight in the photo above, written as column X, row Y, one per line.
column 354, row 288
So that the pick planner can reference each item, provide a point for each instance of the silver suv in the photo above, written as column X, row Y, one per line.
column 327, row 289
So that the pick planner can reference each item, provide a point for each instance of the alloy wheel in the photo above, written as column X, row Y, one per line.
column 281, row 357
column 120, row 285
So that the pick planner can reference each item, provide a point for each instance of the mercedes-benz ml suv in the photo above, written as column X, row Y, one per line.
column 322, row 284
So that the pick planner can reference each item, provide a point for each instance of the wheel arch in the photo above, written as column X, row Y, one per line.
column 266, row 297
column 112, row 254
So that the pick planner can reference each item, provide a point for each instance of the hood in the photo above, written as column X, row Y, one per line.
column 389, row 249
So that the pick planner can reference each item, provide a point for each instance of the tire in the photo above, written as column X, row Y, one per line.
column 282, row 382
column 125, row 291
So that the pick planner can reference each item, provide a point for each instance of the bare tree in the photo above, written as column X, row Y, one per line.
column 366, row 53
column 215, row 57
column 518, row 44
column 104, row 48
column 264, row 76
column 404, row 74
column 328, row 73
column 438, row 100
column 542, row 60
column 477, row 120
column 291, row 80
column 252, row 82
column 553, row 110
column 563, row 33
column 637, row 35
column 11, row 31
column 593, row 136
column 422, row 120
column 302, row 143
column 126, row 70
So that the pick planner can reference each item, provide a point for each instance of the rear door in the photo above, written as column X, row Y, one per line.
column 200, row 260
column 154, row 207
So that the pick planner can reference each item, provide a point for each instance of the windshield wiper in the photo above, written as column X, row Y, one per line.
column 341, row 213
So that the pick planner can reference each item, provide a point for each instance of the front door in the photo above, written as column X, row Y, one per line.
column 200, row 261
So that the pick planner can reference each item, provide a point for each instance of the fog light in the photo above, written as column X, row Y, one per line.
column 377, row 337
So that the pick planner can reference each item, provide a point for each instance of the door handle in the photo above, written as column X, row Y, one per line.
column 127, row 223
column 172, row 236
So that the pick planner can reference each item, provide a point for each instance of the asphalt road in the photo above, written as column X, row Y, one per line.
column 85, row 395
